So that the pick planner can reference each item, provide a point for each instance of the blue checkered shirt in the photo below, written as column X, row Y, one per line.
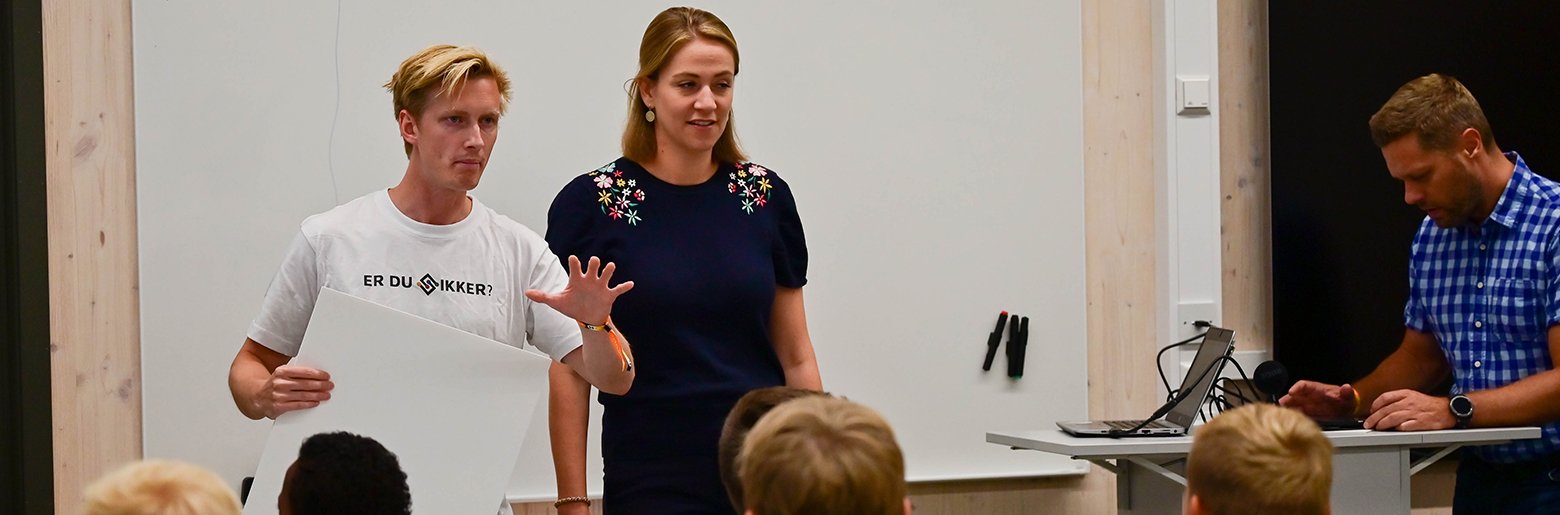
column 1489, row 295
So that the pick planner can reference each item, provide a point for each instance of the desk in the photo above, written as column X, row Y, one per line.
column 1370, row 468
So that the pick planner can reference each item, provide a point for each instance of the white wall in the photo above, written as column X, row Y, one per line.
column 935, row 152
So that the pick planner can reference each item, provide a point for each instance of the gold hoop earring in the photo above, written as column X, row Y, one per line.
column 650, row 115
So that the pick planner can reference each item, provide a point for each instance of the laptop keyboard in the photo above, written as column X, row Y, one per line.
column 1129, row 424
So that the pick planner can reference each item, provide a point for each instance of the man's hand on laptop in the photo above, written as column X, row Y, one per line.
column 1408, row 410
column 1320, row 400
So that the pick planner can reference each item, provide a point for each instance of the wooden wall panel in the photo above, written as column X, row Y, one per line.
column 1431, row 489
column 1244, row 162
column 1088, row 494
column 93, row 302
column 1119, row 206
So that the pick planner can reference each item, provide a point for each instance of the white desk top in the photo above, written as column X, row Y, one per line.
column 1057, row 442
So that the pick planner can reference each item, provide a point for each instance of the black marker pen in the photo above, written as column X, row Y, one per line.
column 994, row 341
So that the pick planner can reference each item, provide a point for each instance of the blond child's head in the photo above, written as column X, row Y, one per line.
column 161, row 488
column 1259, row 458
column 822, row 455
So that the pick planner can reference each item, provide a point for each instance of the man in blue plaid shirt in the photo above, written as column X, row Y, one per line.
column 1484, row 302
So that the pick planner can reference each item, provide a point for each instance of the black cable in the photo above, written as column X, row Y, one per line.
column 1238, row 393
column 1176, row 396
column 1243, row 376
column 1220, row 403
column 1232, row 387
column 1235, row 392
column 1159, row 360
column 1118, row 433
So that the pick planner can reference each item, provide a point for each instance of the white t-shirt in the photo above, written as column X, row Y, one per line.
column 471, row 275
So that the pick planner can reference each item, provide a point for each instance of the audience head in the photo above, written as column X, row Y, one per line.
column 822, row 455
column 344, row 474
column 748, row 410
column 1259, row 458
column 161, row 488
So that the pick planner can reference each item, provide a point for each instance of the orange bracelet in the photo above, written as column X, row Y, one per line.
column 606, row 327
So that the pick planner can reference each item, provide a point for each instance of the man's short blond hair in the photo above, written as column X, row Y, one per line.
column 1260, row 458
column 1436, row 108
column 161, row 488
column 822, row 455
column 438, row 70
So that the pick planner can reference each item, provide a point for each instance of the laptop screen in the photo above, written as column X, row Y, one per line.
column 1219, row 342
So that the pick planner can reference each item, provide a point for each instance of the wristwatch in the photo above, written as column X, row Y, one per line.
column 1462, row 409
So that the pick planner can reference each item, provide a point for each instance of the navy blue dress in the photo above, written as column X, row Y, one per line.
column 705, row 260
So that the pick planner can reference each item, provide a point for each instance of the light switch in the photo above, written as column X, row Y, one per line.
column 1192, row 95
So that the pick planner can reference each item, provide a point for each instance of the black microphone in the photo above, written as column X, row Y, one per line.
column 1271, row 378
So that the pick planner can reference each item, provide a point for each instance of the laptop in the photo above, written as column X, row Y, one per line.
column 1218, row 343
column 1339, row 423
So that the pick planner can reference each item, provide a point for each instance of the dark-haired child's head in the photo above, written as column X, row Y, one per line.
column 344, row 474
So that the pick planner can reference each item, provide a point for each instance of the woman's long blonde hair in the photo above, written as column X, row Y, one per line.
column 668, row 33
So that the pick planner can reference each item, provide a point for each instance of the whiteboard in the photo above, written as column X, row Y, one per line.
column 935, row 151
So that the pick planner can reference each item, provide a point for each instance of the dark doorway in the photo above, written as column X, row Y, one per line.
column 26, row 447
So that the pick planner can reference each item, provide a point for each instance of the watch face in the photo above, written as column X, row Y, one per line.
column 1461, row 406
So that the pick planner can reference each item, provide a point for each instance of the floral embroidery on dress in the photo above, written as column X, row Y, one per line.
column 751, row 182
column 618, row 197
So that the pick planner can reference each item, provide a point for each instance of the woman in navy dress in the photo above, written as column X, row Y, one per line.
column 714, row 246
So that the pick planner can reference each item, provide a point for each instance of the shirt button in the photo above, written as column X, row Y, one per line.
column 1481, row 284
column 1481, row 246
column 1477, row 364
column 1478, row 324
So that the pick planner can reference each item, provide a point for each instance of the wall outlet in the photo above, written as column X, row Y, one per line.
column 1188, row 312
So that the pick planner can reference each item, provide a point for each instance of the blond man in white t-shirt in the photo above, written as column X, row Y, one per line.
column 428, row 248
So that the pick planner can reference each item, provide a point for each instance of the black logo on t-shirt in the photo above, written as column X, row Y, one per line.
column 428, row 284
